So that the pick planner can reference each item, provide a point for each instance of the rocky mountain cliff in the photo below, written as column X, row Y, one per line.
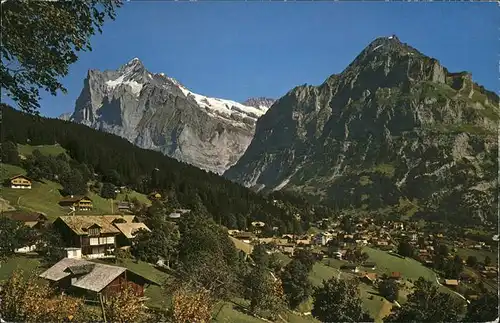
column 260, row 102
column 156, row 112
column 394, row 129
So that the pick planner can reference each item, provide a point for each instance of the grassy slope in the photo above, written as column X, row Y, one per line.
column 54, row 150
column 26, row 264
column 409, row 268
column 331, row 268
column 44, row 196
column 479, row 254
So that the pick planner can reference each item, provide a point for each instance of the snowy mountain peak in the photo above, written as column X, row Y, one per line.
column 261, row 103
column 155, row 111
column 133, row 76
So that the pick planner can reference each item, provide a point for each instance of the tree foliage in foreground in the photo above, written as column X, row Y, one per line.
column 265, row 292
column 296, row 284
column 125, row 307
column 25, row 300
column 14, row 235
column 191, row 305
column 40, row 39
column 338, row 300
column 484, row 309
column 389, row 289
column 427, row 304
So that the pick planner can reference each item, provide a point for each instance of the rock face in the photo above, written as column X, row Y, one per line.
column 260, row 103
column 156, row 112
column 65, row 116
column 395, row 128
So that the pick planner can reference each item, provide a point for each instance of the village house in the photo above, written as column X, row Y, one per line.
column 286, row 248
column 350, row 267
column 322, row 238
column 80, row 203
column 339, row 254
column 306, row 241
column 93, row 280
column 451, row 282
column 395, row 275
column 128, row 232
column 266, row 240
column 244, row 247
column 97, row 236
column 154, row 196
column 369, row 278
column 124, row 207
column 29, row 219
column 178, row 213
column 382, row 243
column 232, row 232
column 246, row 237
column 370, row 265
column 20, row 182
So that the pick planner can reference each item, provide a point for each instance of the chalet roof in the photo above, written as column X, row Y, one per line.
column 95, row 280
column 127, row 218
column 81, row 269
column 244, row 235
column 74, row 198
column 21, row 175
column 266, row 240
column 80, row 223
column 124, row 205
column 371, row 276
column 25, row 216
column 395, row 274
column 129, row 229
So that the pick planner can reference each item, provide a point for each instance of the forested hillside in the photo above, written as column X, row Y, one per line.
column 143, row 170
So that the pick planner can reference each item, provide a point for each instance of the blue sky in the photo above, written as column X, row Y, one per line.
column 236, row 50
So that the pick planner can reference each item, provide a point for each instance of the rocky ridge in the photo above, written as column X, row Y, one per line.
column 157, row 112
column 395, row 128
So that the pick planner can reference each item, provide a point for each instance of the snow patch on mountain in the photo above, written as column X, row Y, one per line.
column 224, row 108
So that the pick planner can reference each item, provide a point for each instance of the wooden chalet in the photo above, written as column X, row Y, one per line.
column 30, row 219
column 20, row 182
column 93, row 280
column 95, row 235
column 128, row 232
column 80, row 203
column 98, row 236
column 124, row 207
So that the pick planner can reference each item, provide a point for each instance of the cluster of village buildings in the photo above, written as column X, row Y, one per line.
column 98, row 236
column 363, row 233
